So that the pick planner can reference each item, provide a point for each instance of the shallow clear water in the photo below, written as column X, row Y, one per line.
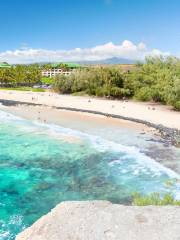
column 42, row 165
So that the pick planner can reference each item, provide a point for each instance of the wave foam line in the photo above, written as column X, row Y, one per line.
column 97, row 142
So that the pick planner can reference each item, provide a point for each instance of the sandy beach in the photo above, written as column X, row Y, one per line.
column 51, row 115
column 151, row 112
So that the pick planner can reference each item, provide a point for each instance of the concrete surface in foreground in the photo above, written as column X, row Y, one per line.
column 101, row 220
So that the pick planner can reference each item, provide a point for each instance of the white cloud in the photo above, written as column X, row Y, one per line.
column 126, row 49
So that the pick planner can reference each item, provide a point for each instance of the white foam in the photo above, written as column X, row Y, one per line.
column 5, row 116
column 15, row 220
column 100, row 144
column 97, row 142
column 104, row 145
column 4, row 235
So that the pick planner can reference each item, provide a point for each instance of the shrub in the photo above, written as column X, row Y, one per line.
column 154, row 199
column 144, row 94
column 119, row 92
column 158, row 79
column 176, row 105
column 63, row 84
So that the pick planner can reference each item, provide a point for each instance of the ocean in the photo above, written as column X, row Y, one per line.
column 42, row 165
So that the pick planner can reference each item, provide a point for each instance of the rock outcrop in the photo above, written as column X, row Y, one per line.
column 102, row 220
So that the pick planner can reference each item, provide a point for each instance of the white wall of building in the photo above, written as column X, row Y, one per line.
column 53, row 72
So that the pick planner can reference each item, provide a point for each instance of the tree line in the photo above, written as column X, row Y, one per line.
column 27, row 75
column 20, row 75
column 158, row 79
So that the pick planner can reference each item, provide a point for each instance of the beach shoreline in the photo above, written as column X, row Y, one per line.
column 51, row 115
column 144, row 117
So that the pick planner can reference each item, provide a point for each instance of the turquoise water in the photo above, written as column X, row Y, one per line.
column 42, row 165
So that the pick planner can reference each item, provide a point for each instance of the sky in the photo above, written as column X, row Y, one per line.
column 74, row 30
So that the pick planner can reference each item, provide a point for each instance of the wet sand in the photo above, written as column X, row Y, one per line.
column 66, row 118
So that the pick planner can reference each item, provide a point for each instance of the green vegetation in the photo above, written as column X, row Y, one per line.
column 64, row 66
column 104, row 81
column 47, row 80
column 28, row 75
column 24, row 89
column 20, row 75
column 154, row 199
column 158, row 79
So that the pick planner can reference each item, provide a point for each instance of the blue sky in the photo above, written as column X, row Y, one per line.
column 59, row 26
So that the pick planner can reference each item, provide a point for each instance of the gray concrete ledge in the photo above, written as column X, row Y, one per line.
column 102, row 220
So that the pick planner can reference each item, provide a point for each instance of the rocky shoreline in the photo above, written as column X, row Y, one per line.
column 170, row 136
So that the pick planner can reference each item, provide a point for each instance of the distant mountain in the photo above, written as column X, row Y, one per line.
column 113, row 60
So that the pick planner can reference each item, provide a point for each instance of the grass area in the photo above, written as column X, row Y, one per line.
column 47, row 80
column 24, row 89
column 154, row 199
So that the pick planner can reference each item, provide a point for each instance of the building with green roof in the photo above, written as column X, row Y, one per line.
column 5, row 65
column 73, row 65
column 64, row 68
column 66, row 64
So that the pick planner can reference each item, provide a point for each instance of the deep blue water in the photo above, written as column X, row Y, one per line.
column 42, row 165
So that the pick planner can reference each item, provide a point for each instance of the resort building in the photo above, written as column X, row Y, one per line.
column 59, row 68
column 53, row 72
